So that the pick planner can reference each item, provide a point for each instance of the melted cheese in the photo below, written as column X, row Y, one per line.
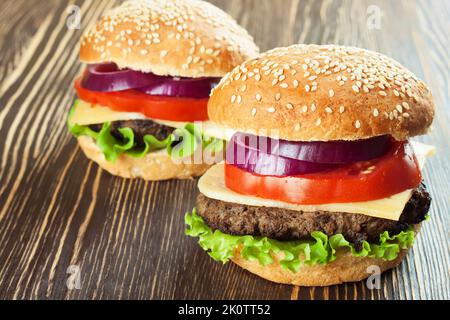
column 212, row 185
column 87, row 114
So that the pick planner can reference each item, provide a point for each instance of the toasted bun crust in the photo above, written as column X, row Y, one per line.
column 186, row 38
column 346, row 268
column 153, row 167
column 322, row 93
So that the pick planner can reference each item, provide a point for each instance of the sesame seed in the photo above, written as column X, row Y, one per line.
column 395, row 112
column 328, row 110
column 297, row 127
column 233, row 98
column 295, row 83
column 406, row 115
column 341, row 109
column 355, row 88
column 313, row 107
column 258, row 97
column 307, row 88
column 271, row 110
column 278, row 96
column 258, row 77
column 405, row 105
column 305, row 108
column 290, row 106
column 382, row 93
column 375, row 112
column 399, row 108
column 163, row 53
column 253, row 112
column 243, row 88
column 144, row 52
column 284, row 85
column 357, row 124
column 331, row 93
column 274, row 82
column 239, row 99
column 318, row 122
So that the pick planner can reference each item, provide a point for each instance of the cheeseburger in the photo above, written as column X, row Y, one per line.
column 151, row 67
column 320, row 179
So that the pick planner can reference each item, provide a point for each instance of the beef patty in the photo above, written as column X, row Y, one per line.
column 283, row 224
column 140, row 128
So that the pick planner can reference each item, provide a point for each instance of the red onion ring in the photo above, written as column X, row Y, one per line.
column 256, row 161
column 109, row 78
column 265, row 156
column 329, row 152
column 182, row 87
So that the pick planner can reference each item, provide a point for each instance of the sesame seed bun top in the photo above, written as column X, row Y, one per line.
column 185, row 38
column 323, row 93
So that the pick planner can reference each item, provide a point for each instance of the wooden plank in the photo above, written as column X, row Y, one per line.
column 57, row 209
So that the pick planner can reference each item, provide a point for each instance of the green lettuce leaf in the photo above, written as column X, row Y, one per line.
column 321, row 249
column 183, row 142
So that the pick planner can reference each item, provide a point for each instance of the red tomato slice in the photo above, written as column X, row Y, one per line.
column 390, row 174
column 156, row 107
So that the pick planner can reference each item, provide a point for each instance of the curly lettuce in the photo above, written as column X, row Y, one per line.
column 321, row 249
column 183, row 142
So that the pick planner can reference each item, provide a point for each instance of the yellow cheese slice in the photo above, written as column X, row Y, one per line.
column 212, row 185
column 87, row 114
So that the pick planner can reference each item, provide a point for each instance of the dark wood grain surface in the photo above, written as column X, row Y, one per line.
column 58, row 209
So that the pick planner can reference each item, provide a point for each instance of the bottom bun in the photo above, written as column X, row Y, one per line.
column 153, row 167
column 346, row 268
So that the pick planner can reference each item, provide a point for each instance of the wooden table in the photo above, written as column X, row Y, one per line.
column 57, row 209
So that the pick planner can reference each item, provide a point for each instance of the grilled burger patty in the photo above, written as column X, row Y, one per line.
column 140, row 128
column 284, row 224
